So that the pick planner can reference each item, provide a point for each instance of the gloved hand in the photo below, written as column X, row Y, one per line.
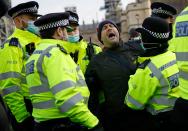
column 27, row 124
column 136, row 46
column 97, row 128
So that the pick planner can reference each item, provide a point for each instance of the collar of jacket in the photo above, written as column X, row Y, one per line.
column 52, row 41
column 119, row 48
column 30, row 37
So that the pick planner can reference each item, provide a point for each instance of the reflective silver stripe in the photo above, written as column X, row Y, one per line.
column 44, row 87
column 79, row 76
column 163, row 100
column 10, row 90
column 38, row 89
column 159, row 75
column 86, row 99
column 43, row 78
column 10, row 75
column 134, row 102
column 77, row 68
column 183, row 13
column 63, row 85
column 155, row 112
column 183, row 74
column 44, row 104
column 71, row 102
column 165, row 66
column 81, row 82
column 182, row 56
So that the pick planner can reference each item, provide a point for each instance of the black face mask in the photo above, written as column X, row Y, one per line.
column 170, row 29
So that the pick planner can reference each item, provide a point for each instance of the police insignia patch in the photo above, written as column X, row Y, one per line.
column 30, row 67
column 62, row 49
column 173, row 80
column 14, row 42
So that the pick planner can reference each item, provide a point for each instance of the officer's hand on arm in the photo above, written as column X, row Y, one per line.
column 136, row 45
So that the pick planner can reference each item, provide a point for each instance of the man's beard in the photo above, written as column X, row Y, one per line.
column 115, row 45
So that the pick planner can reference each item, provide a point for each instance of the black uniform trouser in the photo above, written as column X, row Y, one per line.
column 58, row 125
column 128, row 120
column 181, row 114
column 165, row 121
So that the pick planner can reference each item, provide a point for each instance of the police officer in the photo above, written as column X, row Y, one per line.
column 13, row 55
column 80, row 50
column 57, row 87
column 179, row 44
column 4, row 123
column 154, row 86
column 164, row 11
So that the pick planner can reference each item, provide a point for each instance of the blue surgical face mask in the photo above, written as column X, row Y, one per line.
column 73, row 38
column 32, row 28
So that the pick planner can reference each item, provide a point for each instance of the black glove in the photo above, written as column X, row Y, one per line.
column 27, row 124
column 97, row 128
column 136, row 46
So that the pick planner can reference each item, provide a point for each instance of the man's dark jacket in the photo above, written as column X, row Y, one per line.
column 109, row 72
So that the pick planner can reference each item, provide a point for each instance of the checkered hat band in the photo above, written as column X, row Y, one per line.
column 160, row 11
column 27, row 10
column 73, row 18
column 55, row 24
column 158, row 35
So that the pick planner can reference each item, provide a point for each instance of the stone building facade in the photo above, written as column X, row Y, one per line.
column 136, row 12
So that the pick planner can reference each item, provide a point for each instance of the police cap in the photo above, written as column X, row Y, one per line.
column 162, row 10
column 30, row 7
column 151, row 32
column 73, row 18
column 52, row 20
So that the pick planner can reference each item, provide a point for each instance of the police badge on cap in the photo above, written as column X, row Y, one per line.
column 73, row 18
column 162, row 10
column 52, row 20
column 30, row 7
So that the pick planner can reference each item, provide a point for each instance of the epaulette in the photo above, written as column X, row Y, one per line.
column 144, row 64
column 14, row 42
column 62, row 49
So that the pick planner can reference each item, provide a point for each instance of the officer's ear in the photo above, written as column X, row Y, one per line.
column 61, row 33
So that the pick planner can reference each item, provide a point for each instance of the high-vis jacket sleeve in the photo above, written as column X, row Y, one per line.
column 140, row 89
column 11, row 61
column 63, row 80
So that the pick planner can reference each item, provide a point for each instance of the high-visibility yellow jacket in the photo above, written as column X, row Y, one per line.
column 179, row 45
column 13, row 56
column 155, row 84
column 57, row 85
column 80, row 48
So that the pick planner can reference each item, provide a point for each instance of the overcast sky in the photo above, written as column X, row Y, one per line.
column 87, row 9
